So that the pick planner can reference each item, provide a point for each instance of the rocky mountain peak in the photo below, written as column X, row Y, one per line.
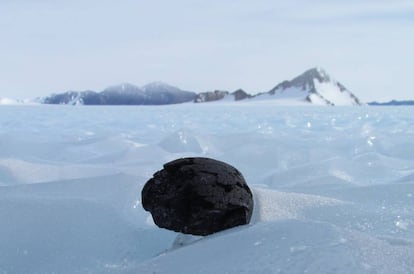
column 315, row 86
column 305, row 80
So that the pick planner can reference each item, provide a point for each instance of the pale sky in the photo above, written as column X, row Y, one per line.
column 49, row 46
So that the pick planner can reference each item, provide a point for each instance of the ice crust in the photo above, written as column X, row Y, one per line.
column 333, row 188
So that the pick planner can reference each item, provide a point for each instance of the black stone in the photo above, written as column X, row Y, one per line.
column 198, row 196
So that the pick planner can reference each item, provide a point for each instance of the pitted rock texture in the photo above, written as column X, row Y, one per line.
column 198, row 196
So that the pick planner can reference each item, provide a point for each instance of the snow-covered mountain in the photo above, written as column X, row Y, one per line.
column 314, row 86
column 156, row 93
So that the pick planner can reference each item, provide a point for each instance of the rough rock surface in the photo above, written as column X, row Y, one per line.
column 210, row 96
column 240, row 95
column 198, row 196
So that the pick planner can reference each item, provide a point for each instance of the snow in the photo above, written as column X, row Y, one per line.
column 292, row 93
column 317, row 99
column 326, row 91
column 294, row 96
column 7, row 101
column 314, row 86
column 333, row 188
column 289, row 97
column 332, row 93
column 10, row 101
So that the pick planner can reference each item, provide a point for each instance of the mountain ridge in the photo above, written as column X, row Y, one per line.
column 123, row 94
column 393, row 103
column 314, row 86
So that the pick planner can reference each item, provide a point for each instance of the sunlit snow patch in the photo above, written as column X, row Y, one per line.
column 271, row 205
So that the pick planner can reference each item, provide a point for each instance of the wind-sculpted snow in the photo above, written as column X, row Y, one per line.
column 333, row 188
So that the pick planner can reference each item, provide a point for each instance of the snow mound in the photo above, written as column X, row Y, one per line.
column 286, row 246
column 275, row 205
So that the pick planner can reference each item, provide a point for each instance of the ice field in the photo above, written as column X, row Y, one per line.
column 333, row 188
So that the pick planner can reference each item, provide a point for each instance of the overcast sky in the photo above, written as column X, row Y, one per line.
column 51, row 46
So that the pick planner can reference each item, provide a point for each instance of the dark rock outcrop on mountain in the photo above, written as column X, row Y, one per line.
column 198, row 196
column 125, row 94
column 305, row 81
column 210, row 96
column 240, row 95
column 393, row 103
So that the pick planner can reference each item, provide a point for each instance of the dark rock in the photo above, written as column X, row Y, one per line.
column 198, row 196
column 210, row 96
column 240, row 95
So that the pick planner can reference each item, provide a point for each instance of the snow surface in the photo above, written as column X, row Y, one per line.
column 333, row 188
column 333, row 93
column 287, row 97
column 9, row 101
column 6, row 101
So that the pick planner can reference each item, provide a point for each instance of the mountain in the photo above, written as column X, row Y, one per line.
column 160, row 93
column 123, row 94
column 156, row 93
column 314, row 86
column 393, row 103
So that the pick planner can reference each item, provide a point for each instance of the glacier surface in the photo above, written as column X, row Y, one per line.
column 333, row 188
